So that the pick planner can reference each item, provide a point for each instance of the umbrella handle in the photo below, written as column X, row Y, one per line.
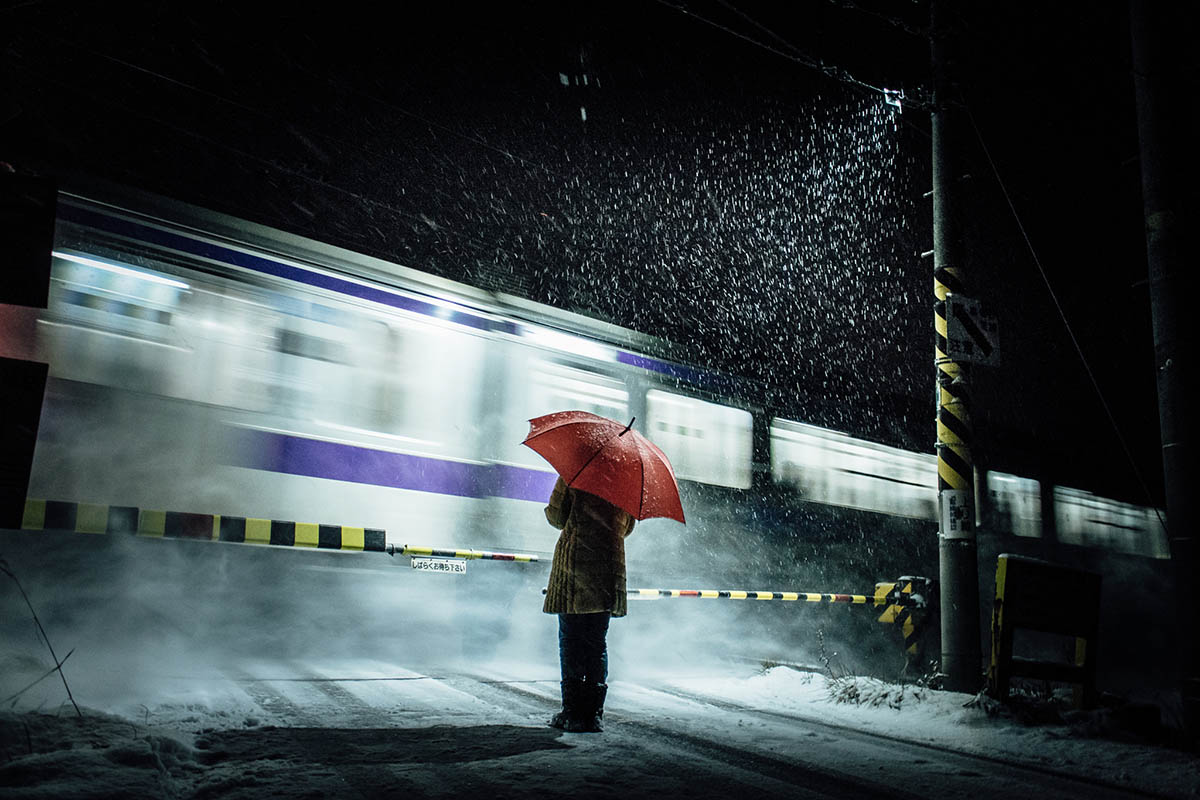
column 627, row 427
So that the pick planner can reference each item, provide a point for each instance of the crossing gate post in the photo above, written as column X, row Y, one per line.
column 1037, row 595
column 910, row 604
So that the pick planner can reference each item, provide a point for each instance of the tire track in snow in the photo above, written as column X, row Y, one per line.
column 799, row 780
column 1083, row 785
column 276, row 706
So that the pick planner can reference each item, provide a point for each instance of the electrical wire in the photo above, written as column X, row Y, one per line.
column 797, row 56
column 466, row 239
column 761, row 27
column 918, row 98
column 258, row 112
column 895, row 22
column 1066, row 322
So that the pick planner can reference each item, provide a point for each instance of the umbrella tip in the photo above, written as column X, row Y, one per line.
column 627, row 427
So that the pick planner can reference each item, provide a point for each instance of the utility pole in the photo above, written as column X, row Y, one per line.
column 961, row 662
column 1169, row 252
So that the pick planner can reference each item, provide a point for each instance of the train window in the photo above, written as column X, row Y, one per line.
column 830, row 467
column 705, row 442
column 99, row 294
column 296, row 343
column 412, row 386
column 1083, row 518
column 109, row 323
column 1014, row 505
column 560, row 388
column 378, row 395
column 554, row 387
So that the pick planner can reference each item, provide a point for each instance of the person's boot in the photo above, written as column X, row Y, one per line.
column 590, row 718
column 573, row 700
column 599, row 692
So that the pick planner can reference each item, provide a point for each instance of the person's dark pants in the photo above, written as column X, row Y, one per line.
column 582, row 650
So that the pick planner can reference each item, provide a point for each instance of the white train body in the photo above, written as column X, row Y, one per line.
column 203, row 364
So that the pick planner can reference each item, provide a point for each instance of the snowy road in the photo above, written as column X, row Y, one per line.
column 234, row 672
column 374, row 730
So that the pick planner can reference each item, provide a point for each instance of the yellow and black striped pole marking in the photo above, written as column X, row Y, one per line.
column 955, row 435
column 954, row 429
column 410, row 550
column 57, row 515
column 735, row 594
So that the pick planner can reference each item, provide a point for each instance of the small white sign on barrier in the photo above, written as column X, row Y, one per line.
column 450, row 566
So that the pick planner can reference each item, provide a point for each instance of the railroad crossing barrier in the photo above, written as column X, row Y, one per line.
column 410, row 550
column 908, row 604
column 60, row 515
column 78, row 517
column 736, row 594
column 907, row 593
column 1037, row 595
column 97, row 518
column 905, row 602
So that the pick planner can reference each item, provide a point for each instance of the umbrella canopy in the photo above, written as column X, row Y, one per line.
column 608, row 459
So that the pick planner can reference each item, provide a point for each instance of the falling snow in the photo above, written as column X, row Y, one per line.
column 769, row 229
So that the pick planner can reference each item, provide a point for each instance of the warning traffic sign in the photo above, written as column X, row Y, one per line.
column 971, row 334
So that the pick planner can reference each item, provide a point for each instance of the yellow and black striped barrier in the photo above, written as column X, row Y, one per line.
column 93, row 518
column 905, row 603
column 409, row 550
column 249, row 530
column 736, row 594
column 55, row 515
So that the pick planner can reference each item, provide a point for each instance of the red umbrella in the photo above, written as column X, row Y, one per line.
column 608, row 459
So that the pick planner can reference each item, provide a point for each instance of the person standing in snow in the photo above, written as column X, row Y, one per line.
column 586, row 590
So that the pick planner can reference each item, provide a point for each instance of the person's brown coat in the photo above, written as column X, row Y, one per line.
column 588, row 572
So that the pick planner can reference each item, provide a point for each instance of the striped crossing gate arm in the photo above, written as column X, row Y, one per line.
column 417, row 550
column 739, row 594
column 178, row 525
column 286, row 533
column 59, row 515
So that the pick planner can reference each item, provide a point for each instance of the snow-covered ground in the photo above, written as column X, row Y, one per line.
column 233, row 672
column 303, row 730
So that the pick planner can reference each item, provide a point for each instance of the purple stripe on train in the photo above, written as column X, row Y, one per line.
column 678, row 371
column 332, row 283
column 278, row 269
column 314, row 458
column 341, row 286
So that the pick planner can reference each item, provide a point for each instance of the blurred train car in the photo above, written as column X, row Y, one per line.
column 203, row 363
column 212, row 365
column 247, row 371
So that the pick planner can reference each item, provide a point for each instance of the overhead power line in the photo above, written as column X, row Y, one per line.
column 894, row 22
column 792, row 53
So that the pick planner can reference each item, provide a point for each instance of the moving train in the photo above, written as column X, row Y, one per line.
column 203, row 363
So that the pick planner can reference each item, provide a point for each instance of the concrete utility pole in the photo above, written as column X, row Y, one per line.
column 1169, row 251
column 961, row 663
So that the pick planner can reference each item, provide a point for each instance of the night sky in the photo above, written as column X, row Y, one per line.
column 755, row 202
